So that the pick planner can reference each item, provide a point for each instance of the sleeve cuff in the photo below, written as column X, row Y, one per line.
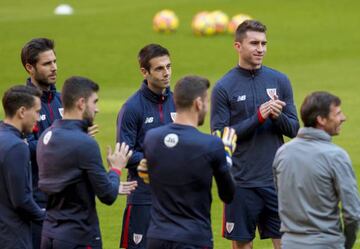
column 260, row 118
column 117, row 171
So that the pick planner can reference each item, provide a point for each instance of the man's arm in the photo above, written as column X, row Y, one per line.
column 18, row 183
column 287, row 121
column 346, row 186
column 127, row 131
column 220, row 115
column 105, row 184
column 223, row 177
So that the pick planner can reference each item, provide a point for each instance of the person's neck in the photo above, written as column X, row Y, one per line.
column 40, row 86
column 156, row 90
column 186, row 118
column 248, row 66
column 13, row 122
column 72, row 115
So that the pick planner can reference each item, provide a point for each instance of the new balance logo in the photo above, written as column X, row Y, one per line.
column 241, row 98
column 149, row 120
column 42, row 117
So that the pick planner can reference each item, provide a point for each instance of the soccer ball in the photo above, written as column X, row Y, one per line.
column 203, row 23
column 221, row 21
column 165, row 21
column 236, row 21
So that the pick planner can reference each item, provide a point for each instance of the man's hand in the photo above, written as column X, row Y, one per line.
column 119, row 158
column 229, row 138
column 276, row 107
column 93, row 130
column 265, row 110
column 142, row 170
column 126, row 188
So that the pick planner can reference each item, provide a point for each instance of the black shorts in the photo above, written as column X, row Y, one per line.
column 49, row 243
column 251, row 208
column 166, row 244
column 135, row 225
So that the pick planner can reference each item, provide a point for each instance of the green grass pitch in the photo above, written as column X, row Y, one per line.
column 316, row 43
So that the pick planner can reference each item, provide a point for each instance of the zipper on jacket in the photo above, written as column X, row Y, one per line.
column 50, row 110
column 161, row 110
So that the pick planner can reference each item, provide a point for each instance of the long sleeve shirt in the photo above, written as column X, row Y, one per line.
column 312, row 177
column 17, row 206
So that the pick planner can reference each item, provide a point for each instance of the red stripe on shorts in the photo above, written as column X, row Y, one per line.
column 224, row 222
column 124, row 242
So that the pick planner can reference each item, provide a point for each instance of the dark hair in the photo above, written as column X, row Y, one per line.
column 317, row 104
column 248, row 25
column 18, row 96
column 148, row 52
column 30, row 52
column 77, row 87
column 187, row 89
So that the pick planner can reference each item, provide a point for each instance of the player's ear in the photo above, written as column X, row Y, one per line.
column 21, row 112
column 144, row 72
column 198, row 103
column 81, row 104
column 237, row 46
column 321, row 121
column 29, row 68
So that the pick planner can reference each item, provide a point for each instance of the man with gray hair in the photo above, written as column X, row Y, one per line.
column 313, row 176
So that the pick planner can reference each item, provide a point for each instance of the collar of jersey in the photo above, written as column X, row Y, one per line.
column 153, row 97
column 46, row 95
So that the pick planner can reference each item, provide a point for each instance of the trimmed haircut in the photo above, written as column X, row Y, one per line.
column 317, row 104
column 30, row 52
column 77, row 87
column 248, row 25
column 187, row 89
column 17, row 97
column 148, row 52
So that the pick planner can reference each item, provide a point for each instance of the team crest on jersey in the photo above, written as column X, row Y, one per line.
column 47, row 137
column 271, row 92
column 229, row 227
column 173, row 116
column 137, row 238
column 61, row 111
column 171, row 140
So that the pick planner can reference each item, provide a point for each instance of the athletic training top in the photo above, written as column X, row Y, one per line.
column 182, row 162
column 235, row 101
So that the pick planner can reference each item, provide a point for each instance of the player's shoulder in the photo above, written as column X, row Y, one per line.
column 274, row 73
column 228, row 78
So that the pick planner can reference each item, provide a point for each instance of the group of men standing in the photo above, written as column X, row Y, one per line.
column 294, row 199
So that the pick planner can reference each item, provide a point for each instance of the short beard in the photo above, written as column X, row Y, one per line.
column 87, row 118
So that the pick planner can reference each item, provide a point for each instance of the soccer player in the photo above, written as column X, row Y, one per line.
column 257, row 102
column 151, row 106
column 39, row 60
column 71, row 171
column 181, row 162
column 17, row 207
column 313, row 176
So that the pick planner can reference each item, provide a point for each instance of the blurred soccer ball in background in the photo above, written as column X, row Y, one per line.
column 236, row 21
column 165, row 21
column 203, row 24
column 221, row 21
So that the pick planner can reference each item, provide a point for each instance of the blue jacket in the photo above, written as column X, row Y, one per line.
column 235, row 101
column 143, row 111
column 71, row 174
column 17, row 206
column 51, row 110
column 182, row 162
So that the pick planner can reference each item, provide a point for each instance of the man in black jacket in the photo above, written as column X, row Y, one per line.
column 17, row 207
column 71, row 171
